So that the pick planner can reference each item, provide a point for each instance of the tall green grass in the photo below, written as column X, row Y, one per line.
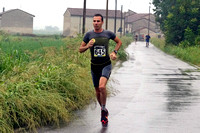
column 42, row 84
column 189, row 54
column 15, row 50
column 44, row 91
column 29, row 43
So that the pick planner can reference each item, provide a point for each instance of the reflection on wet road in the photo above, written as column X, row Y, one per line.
column 153, row 93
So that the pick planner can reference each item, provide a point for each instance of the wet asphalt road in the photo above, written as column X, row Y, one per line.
column 152, row 92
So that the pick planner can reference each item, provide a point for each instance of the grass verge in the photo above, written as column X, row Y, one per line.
column 188, row 54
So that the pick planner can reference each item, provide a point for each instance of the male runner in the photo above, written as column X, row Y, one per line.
column 147, row 40
column 136, row 38
column 97, row 41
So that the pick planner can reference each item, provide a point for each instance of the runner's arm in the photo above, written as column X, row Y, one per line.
column 85, row 46
column 113, row 55
column 118, row 42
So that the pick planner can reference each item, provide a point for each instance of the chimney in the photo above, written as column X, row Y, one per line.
column 3, row 9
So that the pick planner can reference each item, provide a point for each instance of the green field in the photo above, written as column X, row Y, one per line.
column 43, row 80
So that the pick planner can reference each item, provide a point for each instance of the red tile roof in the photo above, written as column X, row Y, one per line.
column 91, row 12
column 141, row 28
column 136, row 17
column 15, row 10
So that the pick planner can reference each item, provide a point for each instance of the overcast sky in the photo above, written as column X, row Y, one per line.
column 50, row 12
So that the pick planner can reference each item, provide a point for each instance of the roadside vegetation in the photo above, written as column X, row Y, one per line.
column 180, row 22
column 43, row 80
column 188, row 54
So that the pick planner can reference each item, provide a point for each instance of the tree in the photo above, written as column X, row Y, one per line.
column 177, row 17
column 51, row 28
column 162, row 9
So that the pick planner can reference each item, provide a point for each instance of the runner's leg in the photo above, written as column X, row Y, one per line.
column 102, row 88
column 101, row 93
column 104, row 111
column 98, row 95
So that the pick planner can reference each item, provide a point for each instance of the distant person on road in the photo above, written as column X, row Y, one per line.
column 97, row 41
column 136, row 38
column 147, row 40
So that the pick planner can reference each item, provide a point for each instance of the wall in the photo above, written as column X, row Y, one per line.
column 17, row 30
column 17, row 21
column 66, row 23
column 144, row 23
column 144, row 32
column 73, row 24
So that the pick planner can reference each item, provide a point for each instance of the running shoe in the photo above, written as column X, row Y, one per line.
column 104, row 116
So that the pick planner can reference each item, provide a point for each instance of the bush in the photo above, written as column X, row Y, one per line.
column 197, row 41
column 189, row 36
column 184, row 44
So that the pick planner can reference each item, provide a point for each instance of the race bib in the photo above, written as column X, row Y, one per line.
column 99, row 51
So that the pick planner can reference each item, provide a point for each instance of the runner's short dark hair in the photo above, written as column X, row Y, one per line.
column 99, row 15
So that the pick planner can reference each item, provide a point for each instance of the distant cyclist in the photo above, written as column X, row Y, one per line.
column 147, row 40
column 97, row 41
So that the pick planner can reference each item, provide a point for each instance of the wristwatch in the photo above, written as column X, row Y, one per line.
column 115, row 51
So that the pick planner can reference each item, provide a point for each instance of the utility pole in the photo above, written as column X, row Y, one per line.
column 121, row 20
column 106, row 14
column 115, row 16
column 84, row 15
column 124, row 24
column 149, row 17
